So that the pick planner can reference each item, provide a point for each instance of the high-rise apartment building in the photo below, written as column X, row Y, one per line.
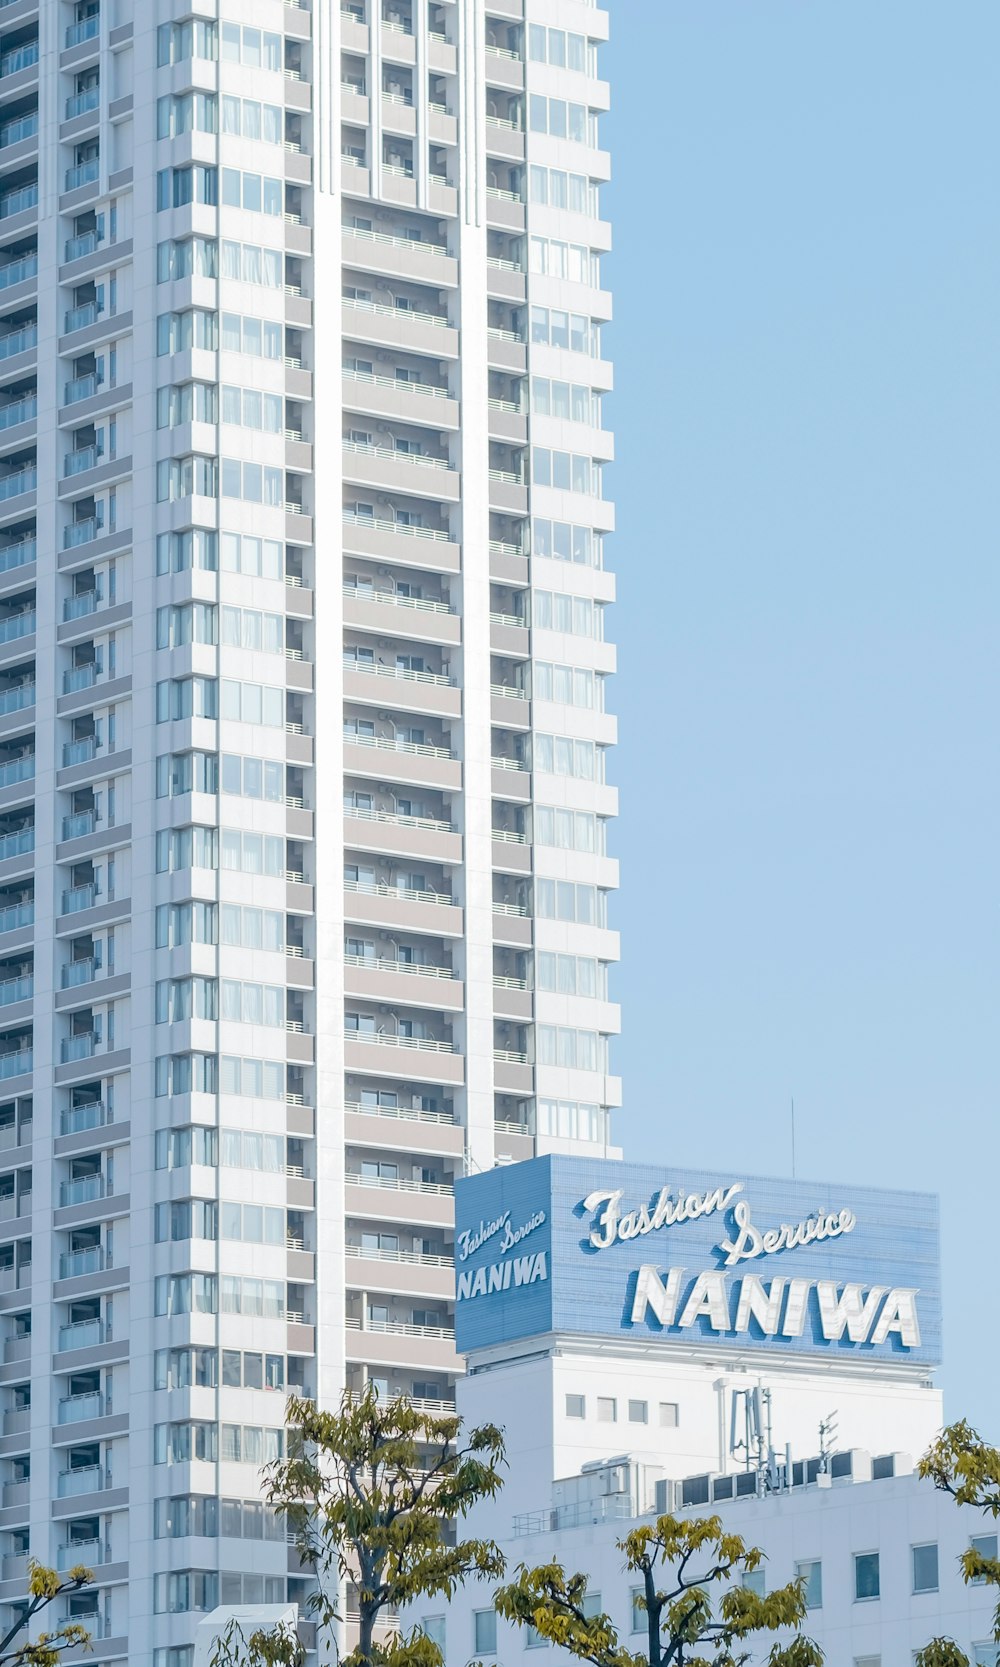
column 303, row 877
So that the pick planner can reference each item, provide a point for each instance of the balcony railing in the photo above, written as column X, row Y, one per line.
column 19, row 1062
column 73, row 1409
column 79, row 897
column 81, row 822
column 408, row 1113
column 17, row 769
column 83, row 1334
column 19, row 411
column 405, row 527
column 77, row 318
column 400, row 1328
column 81, row 677
column 87, row 1190
column 17, row 914
column 72, row 1263
column 18, row 200
column 84, row 243
column 21, row 988
column 17, row 844
column 86, row 457
column 363, row 448
column 22, row 127
column 83, row 1046
column 82, row 387
column 391, row 1038
column 83, row 603
column 79, row 103
column 16, row 271
column 83, row 173
column 394, row 743
column 416, row 1258
column 87, row 29
column 82, row 532
column 369, row 593
column 433, row 1189
column 18, row 481
column 17, row 625
column 398, row 819
column 17, row 696
column 78, row 1119
column 22, row 57
column 382, row 888
column 88, row 1553
column 380, row 964
column 79, row 752
column 79, row 972
column 84, row 1478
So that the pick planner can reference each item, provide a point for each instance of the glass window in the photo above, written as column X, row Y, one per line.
column 484, row 1628
column 866, row 1576
column 925, row 1568
column 638, row 1412
column 753, row 1581
column 812, row 1574
column 433, row 1627
column 638, row 1606
column 669, row 1415
column 986, row 1546
column 576, row 1406
column 607, row 1409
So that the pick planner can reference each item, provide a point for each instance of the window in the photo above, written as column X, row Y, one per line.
column 186, row 697
column 638, row 1412
column 812, row 1574
column 533, row 1639
column 176, row 552
column 925, row 1568
column 186, row 772
column 254, row 48
column 572, row 261
column 252, row 1079
column 186, row 402
column 568, row 830
column 179, row 332
column 753, row 1581
column 193, row 39
column 562, row 119
column 573, row 332
column 253, row 1004
column 180, row 1148
column 249, row 408
column 574, row 1050
column 638, row 1607
column 562, row 755
column 250, row 120
column 866, row 1576
column 570, row 401
column 607, row 1409
column 249, row 263
column 574, row 616
column 253, row 853
column 433, row 1627
column 194, row 183
column 186, row 622
column 566, row 471
column 562, row 48
column 185, row 477
column 187, row 257
column 985, row 1545
column 245, row 1149
column 253, row 483
column 252, row 1223
column 562, row 900
column 573, row 1120
column 567, row 685
column 669, row 1415
column 186, row 1073
column 257, row 193
column 186, row 113
column 186, row 848
column 253, row 703
column 257, row 338
column 484, row 1630
column 257, row 558
column 253, row 778
column 590, row 1605
column 570, row 975
column 576, row 1406
column 984, row 1655
column 573, row 192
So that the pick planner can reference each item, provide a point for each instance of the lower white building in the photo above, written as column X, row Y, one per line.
column 698, row 1342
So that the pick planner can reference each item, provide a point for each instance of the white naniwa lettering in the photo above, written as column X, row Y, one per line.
column 663, row 1210
column 751, row 1242
column 503, row 1276
column 861, row 1313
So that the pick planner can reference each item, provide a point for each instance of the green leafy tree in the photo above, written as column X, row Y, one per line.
column 373, row 1493
column 44, row 1587
column 681, row 1564
column 961, row 1463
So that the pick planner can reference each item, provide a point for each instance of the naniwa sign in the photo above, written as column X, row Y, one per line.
column 618, row 1249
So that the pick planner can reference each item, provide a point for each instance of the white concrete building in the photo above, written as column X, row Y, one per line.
column 303, row 872
column 658, row 1341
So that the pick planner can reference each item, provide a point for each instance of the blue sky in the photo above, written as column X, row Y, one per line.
column 807, row 278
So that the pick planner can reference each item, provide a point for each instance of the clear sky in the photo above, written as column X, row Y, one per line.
column 807, row 278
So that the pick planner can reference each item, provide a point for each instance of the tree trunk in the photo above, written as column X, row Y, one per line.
column 652, row 1619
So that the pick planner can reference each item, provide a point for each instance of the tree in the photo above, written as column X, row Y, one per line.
column 684, row 1627
column 961, row 1463
column 372, row 1493
column 44, row 1587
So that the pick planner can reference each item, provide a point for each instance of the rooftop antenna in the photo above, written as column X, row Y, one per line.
column 827, row 1437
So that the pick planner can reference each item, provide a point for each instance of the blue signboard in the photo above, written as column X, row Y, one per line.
column 598, row 1248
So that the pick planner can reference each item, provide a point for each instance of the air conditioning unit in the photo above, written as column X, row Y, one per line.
column 663, row 1497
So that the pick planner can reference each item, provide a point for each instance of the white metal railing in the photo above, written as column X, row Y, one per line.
column 391, row 598
column 383, row 964
column 510, row 1056
column 424, row 460
column 399, row 242
column 390, row 743
column 438, row 320
column 371, row 669
column 400, row 1328
column 504, row 981
column 398, row 1183
column 509, row 836
column 503, row 195
column 505, row 691
column 517, row 620
column 405, row 1113
column 440, row 533
column 497, row 334
column 516, row 909
column 382, row 888
column 502, row 52
column 398, row 818
column 391, row 1039
column 507, row 476
column 429, row 389
column 504, row 122
column 499, row 548
column 416, row 1258
column 500, row 763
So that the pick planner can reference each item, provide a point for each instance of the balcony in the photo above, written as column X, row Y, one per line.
column 17, row 769
column 391, row 1039
column 73, row 1263
column 81, row 677
column 85, row 601
column 79, row 972
column 400, row 1328
column 78, row 318
column 408, row 1113
column 82, row 532
column 83, row 173
column 17, row 914
column 17, row 844
column 18, row 271
column 79, row 752
column 87, row 1478
column 79, row 1119
column 19, row 1062
column 22, row 127
column 82, row 1334
column 13, row 626
column 19, row 200
column 79, row 824
column 17, row 989
column 73, row 1409
column 87, row 29
column 87, row 1190
column 85, row 243
column 86, row 457
column 17, row 697
column 18, row 481
column 82, row 387
column 79, row 103
column 84, row 1046
column 19, row 411
column 87, row 1554
column 19, row 554
column 22, row 57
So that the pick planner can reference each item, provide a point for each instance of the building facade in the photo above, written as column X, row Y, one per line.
column 303, row 804
column 658, row 1341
